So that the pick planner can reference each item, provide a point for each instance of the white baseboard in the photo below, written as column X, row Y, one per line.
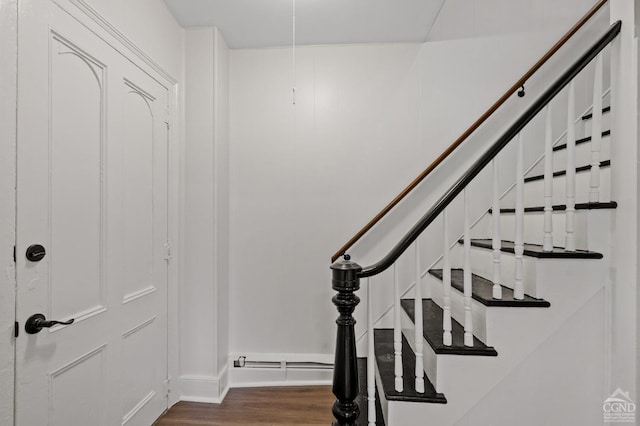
column 208, row 389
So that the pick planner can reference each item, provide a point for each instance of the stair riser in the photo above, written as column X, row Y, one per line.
column 534, row 228
column 591, row 228
column 478, row 310
column 534, row 191
column 537, row 273
column 584, row 127
column 583, row 156
column 482, row 264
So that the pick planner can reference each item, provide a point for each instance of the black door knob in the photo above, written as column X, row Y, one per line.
column 37, row 322
column 35, row 253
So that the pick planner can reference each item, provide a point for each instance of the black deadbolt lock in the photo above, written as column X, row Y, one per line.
column 35, row 253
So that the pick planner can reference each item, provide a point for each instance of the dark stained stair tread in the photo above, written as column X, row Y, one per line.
column 384, row 351
column 432, row 326
column 580, row 141
column 482, row 291
column 605, row 163
column 361, row 400
column 562, row 207
column 535, row 250
column 590, row 115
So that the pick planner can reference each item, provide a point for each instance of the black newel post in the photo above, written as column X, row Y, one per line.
column 345, row 372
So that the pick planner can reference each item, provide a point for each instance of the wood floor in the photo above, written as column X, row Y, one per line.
column 308, row 405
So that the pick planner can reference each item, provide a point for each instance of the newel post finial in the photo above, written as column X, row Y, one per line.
column 345, row 372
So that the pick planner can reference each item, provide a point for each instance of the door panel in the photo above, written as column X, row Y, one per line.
column 76, row 390
column 92, row 189
column 77, row 121
column 143, row 298
column 138, row 140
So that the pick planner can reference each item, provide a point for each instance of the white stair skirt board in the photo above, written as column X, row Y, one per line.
column 583, row 157
column 475, row 384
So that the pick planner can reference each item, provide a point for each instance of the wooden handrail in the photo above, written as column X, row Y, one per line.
column 470, row 130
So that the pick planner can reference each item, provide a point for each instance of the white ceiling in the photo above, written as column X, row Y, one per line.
column 268, row 23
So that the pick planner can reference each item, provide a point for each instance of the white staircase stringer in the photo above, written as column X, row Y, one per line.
column 515, row 333
column 569, row 390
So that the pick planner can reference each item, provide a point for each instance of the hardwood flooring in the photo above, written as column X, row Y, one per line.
column 304, row 405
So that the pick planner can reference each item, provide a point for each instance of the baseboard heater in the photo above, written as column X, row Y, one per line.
column 242, row 362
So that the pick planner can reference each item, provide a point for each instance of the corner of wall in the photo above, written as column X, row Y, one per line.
column 204, row 352
column 207, row 389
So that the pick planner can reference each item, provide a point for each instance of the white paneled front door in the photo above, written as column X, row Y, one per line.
column 92, row 191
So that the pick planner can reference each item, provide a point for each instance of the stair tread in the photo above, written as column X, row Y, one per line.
column 385, row 360
column 581, row 141
column 535, row 250
column 562, row 207
column 482, row 291
column 432, row 330
column 590, row 115
column 361, row 400
column 580, row 169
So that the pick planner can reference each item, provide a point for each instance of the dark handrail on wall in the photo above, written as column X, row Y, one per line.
column 517, row 85
column 490, row 154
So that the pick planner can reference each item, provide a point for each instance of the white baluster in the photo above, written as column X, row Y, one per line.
column 596, row 132
column 518, row 289
column 397, row 331
column 547, row 244
column 446, row 281
column 371, row 374
column 570, row 239
column 468, row 321
column 418, row 324
column 496, row 243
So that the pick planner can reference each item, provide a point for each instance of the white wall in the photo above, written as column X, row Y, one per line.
column 482, row 18
column 204, row 293
column 304, row 178
column 8, row 16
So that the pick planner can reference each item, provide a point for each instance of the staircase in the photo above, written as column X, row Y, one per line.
column 562, row 303
column 510, row 329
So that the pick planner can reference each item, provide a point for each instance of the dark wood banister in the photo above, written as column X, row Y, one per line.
column 518, row 84
column 513, row 130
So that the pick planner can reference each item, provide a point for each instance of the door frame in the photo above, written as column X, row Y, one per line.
column 99, row 25
column 8, row 81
